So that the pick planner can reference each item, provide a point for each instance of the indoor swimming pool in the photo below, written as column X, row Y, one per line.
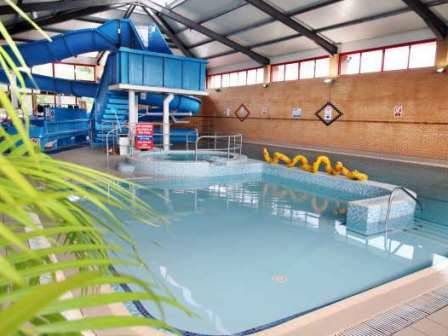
column 245, row 253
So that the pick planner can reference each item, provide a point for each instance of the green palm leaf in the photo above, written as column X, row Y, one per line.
column 54, row 257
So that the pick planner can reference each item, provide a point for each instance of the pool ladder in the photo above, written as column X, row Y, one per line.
column 389, row 203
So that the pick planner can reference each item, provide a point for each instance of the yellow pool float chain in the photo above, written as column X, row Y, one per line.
column 339, row 168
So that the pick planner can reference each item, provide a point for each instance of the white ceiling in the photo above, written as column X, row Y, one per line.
column 249, row 27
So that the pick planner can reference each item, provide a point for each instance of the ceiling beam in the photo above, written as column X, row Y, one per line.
column 165, row 27
column 61, row 5
column 335, row 26
column 58, row 17
column 205, row 31
column 129, row 11
column 436, row 24
column 269, row 19
column 293, row 24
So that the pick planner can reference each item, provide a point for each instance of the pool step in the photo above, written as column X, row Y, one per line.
column 430, row 230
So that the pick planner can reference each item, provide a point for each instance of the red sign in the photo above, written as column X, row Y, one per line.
column 144, row 133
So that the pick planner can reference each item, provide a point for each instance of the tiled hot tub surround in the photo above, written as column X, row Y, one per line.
column 366, row 212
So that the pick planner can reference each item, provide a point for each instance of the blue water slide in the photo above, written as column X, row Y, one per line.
column 111, row 106
column 109, row 36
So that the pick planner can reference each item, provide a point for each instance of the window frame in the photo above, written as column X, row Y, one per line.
column 229, row 73
column 383, row 49
column 299, row 66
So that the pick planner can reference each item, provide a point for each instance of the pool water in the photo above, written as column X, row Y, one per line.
column 245, row 254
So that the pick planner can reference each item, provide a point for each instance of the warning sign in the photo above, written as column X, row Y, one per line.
column 398, row 111
column 144, row 133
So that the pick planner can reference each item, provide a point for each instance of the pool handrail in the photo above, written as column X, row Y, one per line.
column 234, row 148
column 389, row 204
column 119, row 129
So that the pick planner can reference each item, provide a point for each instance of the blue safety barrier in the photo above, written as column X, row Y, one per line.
column 57, row 128
column 145, row 68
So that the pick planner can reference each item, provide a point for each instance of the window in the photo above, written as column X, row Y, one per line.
column 396, row 58
column 66, row 71
column 423, row 55
column 225, row 80
column 278, row 73
column 311, row 68
column 260, row 75
column 292, row 71
column 371, row 61
column 236, row 78
column 68, row 100
column 252, row 77
column 241, row 78
column 410, row 56
column 322, row 67
column 85, row 72
column 45, row 99
column 350, row 64
column 44, row 70
column 307, row 69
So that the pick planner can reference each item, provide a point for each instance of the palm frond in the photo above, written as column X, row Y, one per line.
column 54, row 217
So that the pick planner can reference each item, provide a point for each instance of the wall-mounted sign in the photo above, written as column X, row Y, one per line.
column 398, row 111
column 242, row 112
column 144, row 133
column 329, row 113
column 296, row 113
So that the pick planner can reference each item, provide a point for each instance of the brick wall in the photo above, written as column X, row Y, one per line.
column 367, row 101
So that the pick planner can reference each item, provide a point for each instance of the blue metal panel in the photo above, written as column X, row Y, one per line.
column 160, row 70
column 124, row 68
column 191, row 75
column 135, row 67
column 153, row 71
column 172, row 77
column 203, row 76
column 156, row 42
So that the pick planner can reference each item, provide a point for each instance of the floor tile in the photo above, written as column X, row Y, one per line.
column 440, row 317
column 430, row 328
column 409, row 332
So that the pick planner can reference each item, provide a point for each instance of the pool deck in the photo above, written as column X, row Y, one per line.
column 415, row 305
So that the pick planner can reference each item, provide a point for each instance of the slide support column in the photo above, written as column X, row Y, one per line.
column 166, row 121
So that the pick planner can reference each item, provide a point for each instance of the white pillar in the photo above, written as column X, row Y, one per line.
column 58, row 100
column 133, row 112
column 14, row 90
column 166, row 122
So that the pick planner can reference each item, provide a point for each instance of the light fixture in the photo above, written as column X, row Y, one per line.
column 441, row 69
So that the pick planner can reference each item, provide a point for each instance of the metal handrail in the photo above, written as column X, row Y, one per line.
column 235, row 148
column 115, row 131
column 389, row 204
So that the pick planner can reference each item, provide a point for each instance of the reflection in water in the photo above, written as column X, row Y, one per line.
column 230, row 247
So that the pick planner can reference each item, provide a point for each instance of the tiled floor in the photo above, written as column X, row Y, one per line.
column 427, row 315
